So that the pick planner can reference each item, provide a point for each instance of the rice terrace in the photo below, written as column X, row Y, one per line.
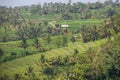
column 59, row 40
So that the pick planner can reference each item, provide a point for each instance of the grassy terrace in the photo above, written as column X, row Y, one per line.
column 76, row 24
column 14, row 46
column 19, row 65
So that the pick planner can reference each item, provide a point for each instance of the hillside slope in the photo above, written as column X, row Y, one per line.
column 19, row 65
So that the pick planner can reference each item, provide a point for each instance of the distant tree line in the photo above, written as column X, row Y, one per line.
column 85, row 10
column 109, row 28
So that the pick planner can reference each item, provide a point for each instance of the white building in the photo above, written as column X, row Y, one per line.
column 64, row 26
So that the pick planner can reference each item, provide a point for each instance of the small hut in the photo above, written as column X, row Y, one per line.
column 64, row 26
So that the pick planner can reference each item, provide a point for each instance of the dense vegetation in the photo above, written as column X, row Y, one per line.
column 34, row 46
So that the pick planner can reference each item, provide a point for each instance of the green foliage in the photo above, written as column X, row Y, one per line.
column 112, row 50
column 64, row 61
column 58, row 42
column 4, row 77
column 85, row 11
column 66, row 16
column 17, row 77
column 29, row 69
column 21, row 33
column 76, row 51
column 6, row 58
column 34, row 31
column 110, row 12
column 47, row 38
column 13, row 55
column 24, row 44
column 73, row 39
column 42, row 58
column 48, row 71
column 86, row 62
column 115, row 19
column 1, row 52
column 29, row 31
column 64, row 41
column 92, row 33
column 42, row 49
column 36, row 43
column 77, row 24
column 89, row 65
column 14, row 77
column 25, row 53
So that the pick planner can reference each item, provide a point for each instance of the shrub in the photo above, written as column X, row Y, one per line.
column 29, row 69
column 42, row 49
column 1, row 52
column 48, row 71
column 6, row 58
column 5, row 77
column 13, row 55
column 76, row 52
column 42, row 58
column 17, row 77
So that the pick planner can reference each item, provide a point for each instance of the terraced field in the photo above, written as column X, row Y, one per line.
column 19, row 65
column 76, row 24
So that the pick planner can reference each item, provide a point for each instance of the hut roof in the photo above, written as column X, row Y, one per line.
column 64, row 26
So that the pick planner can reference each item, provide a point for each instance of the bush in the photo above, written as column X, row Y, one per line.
column 17, row 77
column 5, row 77
column 42, row 58
column 25, row 53
column 13, row 55
column 58, row 44
column 48, row 71
column 1, row 52
column 29, row 69
column 42, row 49
column 76, row 51
column 6, row 58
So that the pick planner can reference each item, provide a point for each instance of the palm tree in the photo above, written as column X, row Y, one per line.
column 5, row 77
column 64, row 41
column 73, row 39
column 42, row 59
column 24, row 44
column 29, row 69
column 36, row 43
column 17, row 77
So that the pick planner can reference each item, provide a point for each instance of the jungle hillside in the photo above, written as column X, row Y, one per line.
column 60, row 41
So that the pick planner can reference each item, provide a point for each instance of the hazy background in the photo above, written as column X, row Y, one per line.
column 14, row 3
